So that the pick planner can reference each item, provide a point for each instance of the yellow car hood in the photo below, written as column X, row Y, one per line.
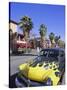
column 40, row 73
column 35, row 73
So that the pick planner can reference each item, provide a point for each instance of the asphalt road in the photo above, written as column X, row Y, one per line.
column 15, row 61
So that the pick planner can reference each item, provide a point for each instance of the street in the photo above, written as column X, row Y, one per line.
column 15, row 61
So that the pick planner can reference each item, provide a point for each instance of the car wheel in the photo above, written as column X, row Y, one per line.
column 12, row 81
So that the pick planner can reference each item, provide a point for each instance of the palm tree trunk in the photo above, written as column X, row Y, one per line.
column 52, row 43
column 43, row 42
column 26, row 35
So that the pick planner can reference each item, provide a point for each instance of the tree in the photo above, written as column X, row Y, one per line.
column 52, row 37
column 43, row 31
column 57, row 39
column 61, row 44
column 26, row 25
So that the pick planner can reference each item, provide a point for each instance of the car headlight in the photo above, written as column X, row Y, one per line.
column 49, row 82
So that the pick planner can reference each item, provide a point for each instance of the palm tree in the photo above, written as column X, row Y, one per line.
column 43, row 31
column 57, row 39
column 61, row 44
column 26, row 25
column 52, row 37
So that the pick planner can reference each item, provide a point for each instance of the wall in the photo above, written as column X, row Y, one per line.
column 13, row 27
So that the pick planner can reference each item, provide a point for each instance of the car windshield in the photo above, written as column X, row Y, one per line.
column 41, row 60
column 49, row 53
column 46, row 56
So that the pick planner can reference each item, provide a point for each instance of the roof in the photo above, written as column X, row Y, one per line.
column 13, row 22
column 54, row 49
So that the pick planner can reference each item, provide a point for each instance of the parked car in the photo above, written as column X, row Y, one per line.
column 45, row 70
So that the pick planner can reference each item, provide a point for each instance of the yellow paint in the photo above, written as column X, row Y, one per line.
column 38, row 73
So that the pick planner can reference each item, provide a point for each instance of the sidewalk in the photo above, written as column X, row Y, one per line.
column 33, row 52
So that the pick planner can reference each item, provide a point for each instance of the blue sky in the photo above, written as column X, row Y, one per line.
column 53, row 16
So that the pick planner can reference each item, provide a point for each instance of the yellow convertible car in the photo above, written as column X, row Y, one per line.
column 45, row 70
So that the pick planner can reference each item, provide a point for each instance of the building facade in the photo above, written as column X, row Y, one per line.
column 13, row 26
